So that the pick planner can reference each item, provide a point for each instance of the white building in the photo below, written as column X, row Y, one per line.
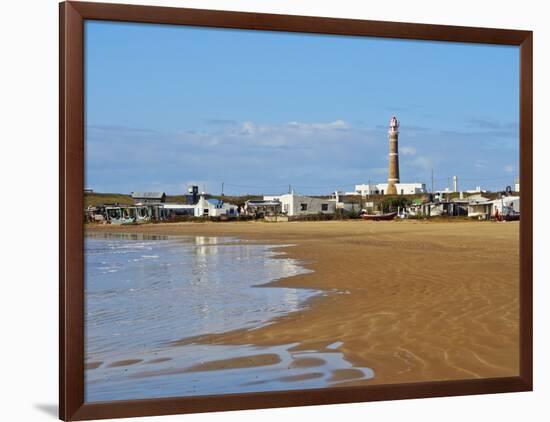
column 478, row 189
column 479, row 206
column 214, row 208
column 292, row 204
column 484, row 209
column 381, row 189
column 506, row 205
column 340, row 203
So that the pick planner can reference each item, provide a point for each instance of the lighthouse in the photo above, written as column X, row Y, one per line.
column 393, row 162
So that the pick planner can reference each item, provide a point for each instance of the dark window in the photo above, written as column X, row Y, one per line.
column 303, row 207
column 324, row 207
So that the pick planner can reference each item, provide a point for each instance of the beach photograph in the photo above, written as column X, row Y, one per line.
column 268, row 211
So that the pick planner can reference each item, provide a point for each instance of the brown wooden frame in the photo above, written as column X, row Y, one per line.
column 71, row 233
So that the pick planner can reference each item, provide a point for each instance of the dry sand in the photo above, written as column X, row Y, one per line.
column 414, row 301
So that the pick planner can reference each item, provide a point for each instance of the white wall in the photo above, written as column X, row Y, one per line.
column 292, row 204
column 407, row 188
column 28, row 106
column 366, row 189
column 404, row 188
column 214, row 211
column 512, row 201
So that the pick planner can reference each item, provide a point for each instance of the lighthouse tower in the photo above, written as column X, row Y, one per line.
column 393, row 167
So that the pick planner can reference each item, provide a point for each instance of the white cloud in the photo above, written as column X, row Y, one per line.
column 407, row 150
column 377, row 171
column 310, row 127
column 311, row 153
column 285, row 135
column 248, row 129
column 423, row 162
column 329, row 154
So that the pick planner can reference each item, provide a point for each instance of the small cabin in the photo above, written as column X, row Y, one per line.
column 261, row 208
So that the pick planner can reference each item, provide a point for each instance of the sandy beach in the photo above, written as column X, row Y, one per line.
column 413, row 300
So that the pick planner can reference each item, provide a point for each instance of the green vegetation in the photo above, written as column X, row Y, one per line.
column 393, row 202
column 338, row 215
column 236, row 200
column 95, row 199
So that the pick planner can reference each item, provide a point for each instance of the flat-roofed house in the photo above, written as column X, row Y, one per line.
column 480, row 207
column 292, row 204
column 382, row 189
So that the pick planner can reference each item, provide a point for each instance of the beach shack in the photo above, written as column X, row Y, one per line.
column 173, row 211
column 480, row 207
column 343, row 203
column 95, row 214
column 262, row 208
column 119, row 215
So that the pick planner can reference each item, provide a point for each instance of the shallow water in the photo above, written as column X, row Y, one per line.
column 184, row 371
column 144, row 292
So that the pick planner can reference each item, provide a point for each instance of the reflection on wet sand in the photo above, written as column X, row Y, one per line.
column 196, row 369
column 145, row 293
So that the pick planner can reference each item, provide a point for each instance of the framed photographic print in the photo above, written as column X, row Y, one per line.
column 268, row 210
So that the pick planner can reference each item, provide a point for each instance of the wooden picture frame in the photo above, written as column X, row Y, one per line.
column 71, row 184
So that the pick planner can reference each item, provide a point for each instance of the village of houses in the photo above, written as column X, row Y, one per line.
column 413, row 201
column 382, row 201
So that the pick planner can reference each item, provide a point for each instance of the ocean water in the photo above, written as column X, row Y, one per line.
column 142, row 293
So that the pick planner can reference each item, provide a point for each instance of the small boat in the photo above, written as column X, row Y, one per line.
column 510, row 217
column 379, row 217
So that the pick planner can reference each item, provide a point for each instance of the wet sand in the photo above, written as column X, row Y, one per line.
column 240, row 362
column 126, row 362
column 414, row 301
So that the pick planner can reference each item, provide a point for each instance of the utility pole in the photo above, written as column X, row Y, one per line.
column 432, row 180
column 368, row 190
column 222, row 188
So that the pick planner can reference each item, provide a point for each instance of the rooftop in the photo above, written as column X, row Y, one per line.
column 148, row 195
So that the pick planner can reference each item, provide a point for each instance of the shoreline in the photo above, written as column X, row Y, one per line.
column 414, row 301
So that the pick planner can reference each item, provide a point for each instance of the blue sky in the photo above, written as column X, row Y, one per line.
column 167, row 106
